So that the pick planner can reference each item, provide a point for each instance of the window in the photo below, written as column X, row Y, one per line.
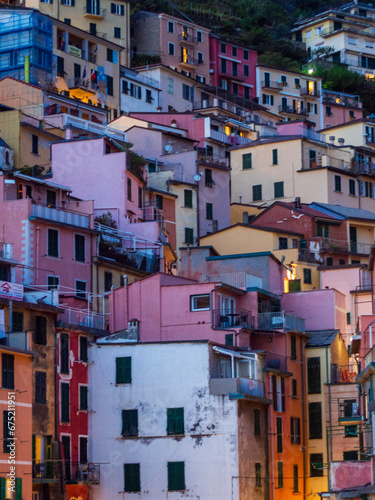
column 65, row 403
column 83, row 397
column 294, row 388
column 170, row 86
column 283, row 243
column 51, row 198
column 308, row 34
column 247, row 161
column 246, row 71
column 79, row 247
column 199, row 36
column 200, row 57
column 313, row 376
column 8, row 431
column 350, row 455
column 257, row 192
column 256, row 422
column 280, row 475
column 352, row 187
column 187, row 92
column 267, row 99
column 329, row 261
column 319, row 30
column 64, row 353
column 234, row 68
column 83, row 352
column 234, row 51
column 52, row 243
column 315, row 420
column 132, row 478
column 124, row 370
column 140, row 196
column 81, row 289
column 258, row 475
column 348, row 320
column 338, row 183
column 278, row 189
column 316, row 464
column 108, row 278
column 35, row 144
column 109, row 85
column 149, row 97
column 351, row 431
column 7, row 371
column 188, row 198
column 200, row 302
column 208, row 181
column 175, row 421
column 83, row 450
column 41, row 388
column 92, row 28
column 307, row 276
column 171, row 49
column 223, row 48
column 352, row 41
column 176, row 476
column 322, row 230
column 40, row 330
column 17, row 321
column 246, row 54
column 117, row 32
column 170, row 27
column 129, row 189
column 109, row 55
column 295, row 478
column 129, row 423
column 223, row 66
column 278, row 393
column 209, row 211
column 60, row 66
column 279, row 435
column 295, row 430
column 297, row 83
column 293, row 347
column 351, row 115
column 189, row 235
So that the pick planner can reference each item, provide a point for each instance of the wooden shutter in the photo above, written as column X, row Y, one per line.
column 123, row 370
column 2, row 488
column 41, row 330
column 122, row 10
column 247, row 161
column 313, row 375
column 176, row 476
column 65, row 409
column 113, row 8
column 64, row 353
column 132, row 478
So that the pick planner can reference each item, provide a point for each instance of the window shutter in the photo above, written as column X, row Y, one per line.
column 122, row 10
column 176, row 476
column 170, row 420
column 64, row 353
column 33, row 448
column 247, row 161
column 113, row 8
column 123, row 370
column 264, row 99
column 282, row 394
column 179, row 421
column 88, row 7
column 313, row 376
column 2, row 488
column 65, row 407
column 18, row 488
column 83, row 399
column 274, row 156
column 274, row 392
column 271, row 100
column 132, row 478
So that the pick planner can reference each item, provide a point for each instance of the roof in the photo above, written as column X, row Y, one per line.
column 304, row 209
column 321, row 338
column 345, row 212
column 41, row 181
column 3, row 144
column 283, row 70
column 252, row 226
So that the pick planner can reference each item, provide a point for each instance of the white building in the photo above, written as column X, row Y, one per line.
column 139, row 93
column 169, row 421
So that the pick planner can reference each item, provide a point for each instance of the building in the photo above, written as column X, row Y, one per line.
column 233, row 67
column 291, row 95
column 138, row 92
column 180, row 44
column 341, row 35
column 340, row 108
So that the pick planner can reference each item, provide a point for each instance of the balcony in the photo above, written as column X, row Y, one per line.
column 40, row 211
column 6, row 251
column 326, row 161
column 364, row 166
column 280, row 321
column 267, row 84
column 86, row 473
column 349, row 100
column 237, row 280
column 187, row 39
column 146, row 260
column 220, row 137
column 343, row 374
column 188, row 62
column 218, row 161
column 229, row 318
column 233, row 76
column 46, row 472
column 83, row 317
column 81, row 84
column 64, row 120
column 290, row 110
column 94, row 11
column 275, row 362
column 236, row 386
column 310, row 92
column 349, row 411
column 17, row 340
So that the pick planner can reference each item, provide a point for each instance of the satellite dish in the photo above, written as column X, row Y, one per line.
column 168, row 148
column 197, row 177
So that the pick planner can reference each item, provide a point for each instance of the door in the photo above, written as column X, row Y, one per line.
column 227, row 311
column 65, row 440
column 266, row 79
column 353, row 239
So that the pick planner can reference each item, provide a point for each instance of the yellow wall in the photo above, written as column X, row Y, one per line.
column 237, row 210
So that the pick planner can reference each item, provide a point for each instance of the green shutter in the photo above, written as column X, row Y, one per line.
column 49, row 464
column 179, row 420
column 176, row 476
column 279, row 189
column 18, row 488
column 170, row 420
column 129, row 423
column 64, row 353
column 189, row 235
column 2, row 488
column 188, row 198
column 257, row 192
column 274, row 157
column 132, row 478
column 123, row 370
column 209, row 211
column 65, row 407
column 247, row 161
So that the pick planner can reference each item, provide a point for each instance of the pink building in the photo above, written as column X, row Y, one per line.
column 233, row 67
column 340, row 108
column 181, row 45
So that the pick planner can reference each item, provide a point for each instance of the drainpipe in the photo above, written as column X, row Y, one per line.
column 267, row 456
column 303, row 418
column 270, row 475
column 329, row 449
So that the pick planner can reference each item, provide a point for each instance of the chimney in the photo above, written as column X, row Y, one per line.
column 174, row 123
column 297, row 202
column 332, row 139
column 68, row 133
column 245, row 217
column 341, row 141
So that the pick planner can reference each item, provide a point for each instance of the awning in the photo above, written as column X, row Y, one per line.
column 250, row 356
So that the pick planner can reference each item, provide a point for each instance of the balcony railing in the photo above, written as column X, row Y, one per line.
column 190, row 61
column 229, row 318
column 48, row 469
column 221, row 161
column 310, row 92
column 188, row 39
column 349, row 100
column 220, row 136
column 63, row 120
column 79, row 83
column 225, row 386
column 267, row 84
column 60, row 215
column 275, row 362
column 16, row 340
column 83, row 317
column 349, row 409
column 237, row 280
column 293, row 111
column 94, row 10
column 364, row 167
column 87, row 473
column 280, row 321
column 343, row 374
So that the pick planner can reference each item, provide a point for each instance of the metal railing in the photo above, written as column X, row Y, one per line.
column 16, row 340
column 83, row 317
column 364, row 167
column 275, row 361
column 351, row 100
column 94, row 10
column 267, row 84
column 87, row 473
column 62, row 120
column 237, row 280
column 237, row 385
column 47, row 469
column 233, row 318
column 280, row 321
column 189, row 60
column 343, row 374
column 220, row 136
column 349, row 409
column 187, row 38
column 312, row 93
column 79, row 83
column 292, row 110
column 214, row 160
column 61, row 215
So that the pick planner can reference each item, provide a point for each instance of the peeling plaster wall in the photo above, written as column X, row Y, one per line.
column 163, row 376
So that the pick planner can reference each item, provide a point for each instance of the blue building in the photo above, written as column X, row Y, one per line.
column 25, row 45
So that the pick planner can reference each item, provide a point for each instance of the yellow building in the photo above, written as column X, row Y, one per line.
column 244, row 239
column 285, row 167
column 110, row 21
column 332, row 398
column 346, row 34
column 290, row 94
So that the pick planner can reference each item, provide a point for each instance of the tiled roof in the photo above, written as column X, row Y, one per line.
column 345, row 212
column 321, row 338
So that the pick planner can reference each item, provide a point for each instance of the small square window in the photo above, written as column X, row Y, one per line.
column 171, row 49
column 338, row 183
column 81, row 289
column 257, row 192
column 234, row 51
column 109, row 55
column 189, row 235
column 117, row 32
column 188, row 198
column 247, row 161
column 200, row 302
column 246, row 55
column 223, row 48
column 279, row 189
